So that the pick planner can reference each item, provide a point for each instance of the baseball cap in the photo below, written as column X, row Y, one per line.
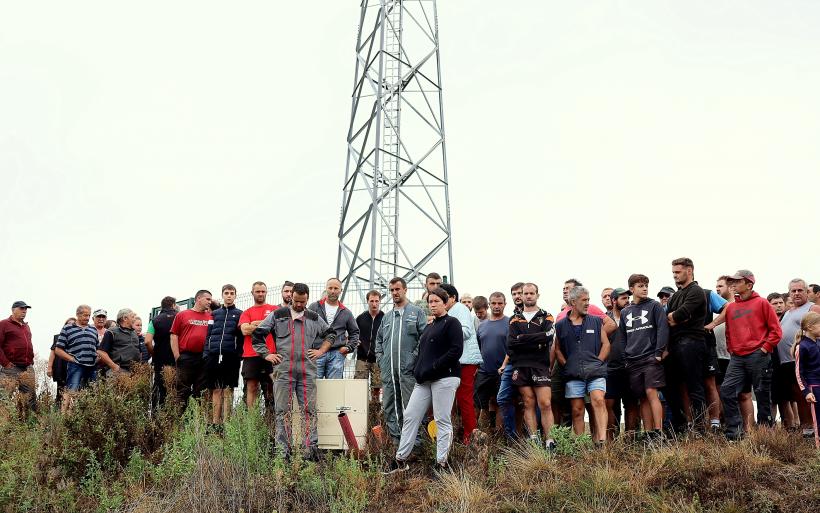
column 20, row 304
column 743, row 274
column 616, row 293
column 99, row 312
column 666, row 291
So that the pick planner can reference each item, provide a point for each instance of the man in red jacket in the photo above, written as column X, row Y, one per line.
column 752, row 333
column 17, row 354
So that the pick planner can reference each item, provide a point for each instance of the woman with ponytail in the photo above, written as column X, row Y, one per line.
column 807, row 365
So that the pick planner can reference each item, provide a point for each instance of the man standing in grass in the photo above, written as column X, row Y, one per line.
column 582, row 348
column 645, row 331
column 752, row 333
column 300, row 338
column 529, row 346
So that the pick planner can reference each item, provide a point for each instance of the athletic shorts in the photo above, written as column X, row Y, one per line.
column 486, row 388
column 531, row 377
column 222, row 374
column 784, row 382
column 578, row 388
column 257, row 368
column 645, row 373
column 617, row 385
column 711, row 366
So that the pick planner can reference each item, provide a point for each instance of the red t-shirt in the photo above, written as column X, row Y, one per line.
column 256, row 313
column 593, row 311
column 191, row 327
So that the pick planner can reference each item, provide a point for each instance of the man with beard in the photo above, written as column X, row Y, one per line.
column 397, row 345
column 331, row 365
column 287, row 294
column 529, row 345
column 300, row 337
column 687, row 347
column 617, row 379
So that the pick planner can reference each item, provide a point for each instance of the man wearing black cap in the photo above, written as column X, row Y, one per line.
column 617, row 378
column 664, row 295
column 17, row 352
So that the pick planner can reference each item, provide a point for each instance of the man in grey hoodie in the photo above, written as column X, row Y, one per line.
column 343, row 322
column 645, row 330
column 397, row 345
column 300, row 337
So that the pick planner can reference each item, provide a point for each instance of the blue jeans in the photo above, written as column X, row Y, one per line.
column 79, row 376
column 330, row 365
column 506, row 394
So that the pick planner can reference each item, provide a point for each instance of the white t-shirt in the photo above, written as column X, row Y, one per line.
column 330, row 312
column 529, row 315
column 296, row 315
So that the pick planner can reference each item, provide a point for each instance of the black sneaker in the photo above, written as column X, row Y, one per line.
column 549, row 445
column 734, row 436
column 396, row 466
column 442, row 468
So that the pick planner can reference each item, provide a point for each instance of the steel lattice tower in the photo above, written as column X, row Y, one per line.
column 395, row 151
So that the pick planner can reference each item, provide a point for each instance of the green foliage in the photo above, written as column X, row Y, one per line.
column 568, row 444
column 108, row 454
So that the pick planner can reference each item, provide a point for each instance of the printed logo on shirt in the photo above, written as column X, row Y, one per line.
column 741, row 312
column 631, row 318
column 200, row 322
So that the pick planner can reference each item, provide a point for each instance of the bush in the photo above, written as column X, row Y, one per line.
column 108, row 454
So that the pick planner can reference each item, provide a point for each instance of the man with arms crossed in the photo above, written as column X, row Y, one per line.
column 529, row 347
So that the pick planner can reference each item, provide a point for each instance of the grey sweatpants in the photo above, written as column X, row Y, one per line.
column 441, row 393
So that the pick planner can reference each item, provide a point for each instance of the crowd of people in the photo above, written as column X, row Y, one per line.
column 692, row 360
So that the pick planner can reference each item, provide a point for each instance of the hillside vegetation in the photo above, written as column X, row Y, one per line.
column 108, row 454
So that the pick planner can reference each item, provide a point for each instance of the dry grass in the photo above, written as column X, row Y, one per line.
column 108, row 455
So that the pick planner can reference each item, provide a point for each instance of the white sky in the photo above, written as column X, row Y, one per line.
column 155, row 148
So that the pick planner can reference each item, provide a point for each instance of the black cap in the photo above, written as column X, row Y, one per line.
column 666, row 291
column 20, row 304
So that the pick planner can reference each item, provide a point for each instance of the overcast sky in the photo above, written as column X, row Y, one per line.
column 154, row 148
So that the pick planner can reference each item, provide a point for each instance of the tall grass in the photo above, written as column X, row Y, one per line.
column 109, row 454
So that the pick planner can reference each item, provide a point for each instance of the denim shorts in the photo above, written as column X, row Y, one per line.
column 577, row 389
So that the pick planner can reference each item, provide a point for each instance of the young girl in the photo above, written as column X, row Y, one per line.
column 807, row 365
